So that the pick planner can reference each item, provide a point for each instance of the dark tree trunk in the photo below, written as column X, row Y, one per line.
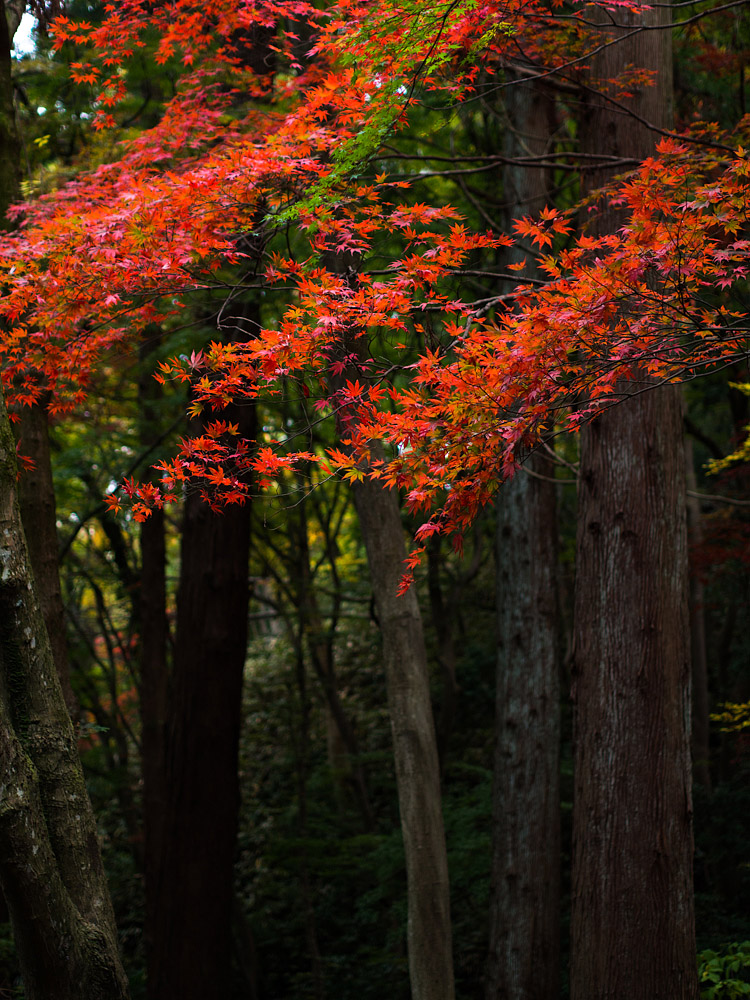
column 190, row 955
column 524, row 953
column 632, row 925
column 50, row 867
column 632, row 922
column 443, row 621
column 524, row 961
column 36, row 495
column 10, row 149
column 154, row 673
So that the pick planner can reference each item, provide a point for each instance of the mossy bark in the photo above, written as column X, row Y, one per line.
column 50, row 866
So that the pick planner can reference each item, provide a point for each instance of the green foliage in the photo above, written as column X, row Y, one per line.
column 725, row 975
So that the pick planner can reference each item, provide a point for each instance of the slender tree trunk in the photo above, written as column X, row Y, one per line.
column 36, row 495
column 428, row 930
column 524, row 961
column 443, row 621
column 154, row 674
column 414, row 745
column 190, row 956
column 632, row 925
column 524, row 954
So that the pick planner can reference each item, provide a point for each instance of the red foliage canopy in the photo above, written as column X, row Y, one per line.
column 243, row 152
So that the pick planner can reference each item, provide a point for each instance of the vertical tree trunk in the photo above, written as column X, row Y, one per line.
column 632, row 929
column 428, row 929
column 50, row 866
column 190, row 957
column 154, row 674
column 524, row 954
column 524, row 961
column 414, row 745
column 36, row 495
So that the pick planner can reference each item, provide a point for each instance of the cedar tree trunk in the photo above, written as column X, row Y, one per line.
column 524, row 958
column 524, row 953
column 632, row 924
column 190, row 954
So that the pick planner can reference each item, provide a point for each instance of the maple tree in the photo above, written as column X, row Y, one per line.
column 176, row 225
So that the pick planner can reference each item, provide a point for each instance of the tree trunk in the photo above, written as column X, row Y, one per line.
column 50, row 866
column 524, row 961
column 524, row 953
column 190, row 957
column 632, row 924
column 154, row 674
column 443, row 621
column 428, row 929
column 36, row 495
column 414, row 745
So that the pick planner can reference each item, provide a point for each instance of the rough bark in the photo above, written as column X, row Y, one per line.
column 414, row 746
column 524, row 960
column 190, row 956
column 632, row 923
column 36, row 494
column 524, row 952
column 50, row 867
